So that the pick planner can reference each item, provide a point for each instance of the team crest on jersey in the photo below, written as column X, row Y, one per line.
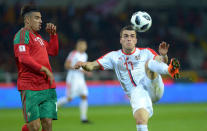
column 120, row 58
column 137, row 57
column 39, row 40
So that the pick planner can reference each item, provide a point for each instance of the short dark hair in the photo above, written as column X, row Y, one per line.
column 127, row 27
column 28, row 8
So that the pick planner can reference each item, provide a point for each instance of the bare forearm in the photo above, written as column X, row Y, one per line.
column 164, row 59
column 90, row 66
column 67, row 65
column 161, row 58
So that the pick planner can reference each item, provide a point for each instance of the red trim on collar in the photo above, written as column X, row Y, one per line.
column 128, row 54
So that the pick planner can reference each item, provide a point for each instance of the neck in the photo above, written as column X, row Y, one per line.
column 79, row 51
column 128, row 51
column 29, row 28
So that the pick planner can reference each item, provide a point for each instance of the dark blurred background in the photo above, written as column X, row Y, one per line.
column 182, row 24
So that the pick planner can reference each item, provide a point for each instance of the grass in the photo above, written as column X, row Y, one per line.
column 167, row 117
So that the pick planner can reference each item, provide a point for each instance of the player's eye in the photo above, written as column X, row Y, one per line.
column 132, row 36
column 37, row 17
column 126, row 36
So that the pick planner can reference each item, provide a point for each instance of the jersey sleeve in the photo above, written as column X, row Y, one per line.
column 21, row 50
column 106, row 61
column 52, row 46
column 71, row 56
column 151, row 53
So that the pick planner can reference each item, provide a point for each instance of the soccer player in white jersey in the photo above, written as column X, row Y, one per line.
column 138, row 70
column 75, row 80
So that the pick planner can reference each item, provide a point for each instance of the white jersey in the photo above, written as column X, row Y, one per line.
column 74, row 57
column 129, row 68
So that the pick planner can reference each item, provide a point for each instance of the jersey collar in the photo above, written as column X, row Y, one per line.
column 128, row 54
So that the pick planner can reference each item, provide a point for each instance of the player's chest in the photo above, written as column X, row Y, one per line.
column 38, row 44
column 79, row 57
column 131, row 62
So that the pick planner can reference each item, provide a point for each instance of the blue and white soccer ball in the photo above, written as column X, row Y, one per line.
column 141, row 21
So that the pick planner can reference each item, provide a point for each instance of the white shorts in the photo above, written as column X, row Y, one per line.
column 139, row 98
column 76, row 87
column 154, row 87
column 145, row 93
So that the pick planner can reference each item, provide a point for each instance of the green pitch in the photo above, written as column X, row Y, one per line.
column 167, row 117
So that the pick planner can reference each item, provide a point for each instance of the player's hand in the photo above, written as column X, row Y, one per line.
column 87, row 66
column 78, row 65
column 49, row 75
column 163, row 48
column 50, row 28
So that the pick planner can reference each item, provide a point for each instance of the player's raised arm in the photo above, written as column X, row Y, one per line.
column 52, row 46
column 163, row 49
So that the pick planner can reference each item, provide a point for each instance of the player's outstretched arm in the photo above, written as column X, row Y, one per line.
column 88, row 66
column 163, row 49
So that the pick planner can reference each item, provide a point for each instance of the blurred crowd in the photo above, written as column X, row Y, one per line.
column 183, row 28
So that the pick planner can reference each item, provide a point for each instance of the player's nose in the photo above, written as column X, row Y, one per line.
column 129, row 39
column 40, row 21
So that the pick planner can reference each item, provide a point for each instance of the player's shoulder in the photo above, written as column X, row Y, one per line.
column 84, row 53
column 113, row 53
column 22, row 31
column 117, row 52
column 73, row 52
column 22, row 36
column 147, row 50
column 109, row 55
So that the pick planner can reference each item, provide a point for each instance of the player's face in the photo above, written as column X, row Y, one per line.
column 82, row 46
column 35, row 21
column 128, row 39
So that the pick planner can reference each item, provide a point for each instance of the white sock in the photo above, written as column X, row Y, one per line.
column 142, row 128
column 62, row 101
column 83, row 109
column 158, row 67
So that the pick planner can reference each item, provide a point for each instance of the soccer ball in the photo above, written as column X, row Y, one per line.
column 141, row 21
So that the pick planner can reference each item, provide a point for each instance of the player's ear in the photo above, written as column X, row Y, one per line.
column 26, row 19
column 136, row 40
column 120, row 40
